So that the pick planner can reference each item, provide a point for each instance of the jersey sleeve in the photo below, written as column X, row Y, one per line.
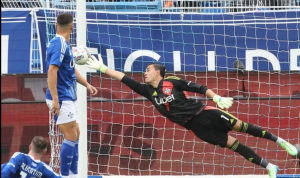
column 12, row 166
column 136, row 86
column 58, row 51
column 185, row 85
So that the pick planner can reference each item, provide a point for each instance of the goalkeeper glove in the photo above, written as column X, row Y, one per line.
column 93, row 63
column 223, row 102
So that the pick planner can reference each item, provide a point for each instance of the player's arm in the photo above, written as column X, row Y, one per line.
column 136, row 86
column 184, row 85
column 10, row 169
column 52, row 81
column 57, row 52
column 83, row 82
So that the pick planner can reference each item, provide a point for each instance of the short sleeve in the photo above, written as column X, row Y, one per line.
column 58, row 50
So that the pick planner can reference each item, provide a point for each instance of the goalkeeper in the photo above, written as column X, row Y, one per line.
column 207, row 123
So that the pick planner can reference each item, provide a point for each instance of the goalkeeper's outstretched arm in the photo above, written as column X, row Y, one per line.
column 93, row 63
column 136, row 86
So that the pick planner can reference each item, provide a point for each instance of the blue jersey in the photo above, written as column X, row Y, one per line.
column 60, row 54
column 24, row 166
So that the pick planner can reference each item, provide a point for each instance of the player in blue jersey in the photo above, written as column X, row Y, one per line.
column 29, row 165
column 61, row 93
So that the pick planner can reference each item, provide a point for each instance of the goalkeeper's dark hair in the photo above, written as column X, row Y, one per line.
column 64, row 19
column 160, row 67
column 39, row 144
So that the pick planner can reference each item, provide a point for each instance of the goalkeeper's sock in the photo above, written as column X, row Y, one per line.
column 248, row 154
column 74, row 165
column 257, row 131
column 66, row 157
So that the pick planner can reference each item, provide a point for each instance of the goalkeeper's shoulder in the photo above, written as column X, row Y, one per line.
column 172, row 78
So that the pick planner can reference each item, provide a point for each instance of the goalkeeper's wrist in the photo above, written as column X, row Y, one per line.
column 216, row 98
column 103, row 68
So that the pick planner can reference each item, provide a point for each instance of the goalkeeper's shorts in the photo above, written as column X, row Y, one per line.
column 212, row 126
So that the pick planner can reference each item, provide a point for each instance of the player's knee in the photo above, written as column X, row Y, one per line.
column 241, row 126
column 238, row 125
column 230, row 141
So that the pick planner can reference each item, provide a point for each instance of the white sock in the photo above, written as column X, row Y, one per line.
column 269, row 166
column 73, row 176
column 279, row 141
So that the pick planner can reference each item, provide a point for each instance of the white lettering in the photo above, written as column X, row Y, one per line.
column 23, row 166
column 176, row 61
column 211, row 60
column 165, row 100
column 4, row 54
column 31, row 170
column 72, row 63
column 110, row 58
column 136, row 54
column 294, row 64
column 261, row 53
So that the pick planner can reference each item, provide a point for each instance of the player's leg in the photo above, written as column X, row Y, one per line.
column 257, row 131
column 67, row 149
column 212, row 126
column 251, row 156
column 74, row 165
column 66, row 122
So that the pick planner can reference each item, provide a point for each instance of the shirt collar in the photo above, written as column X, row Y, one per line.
column 34, row 159
column 57, row 35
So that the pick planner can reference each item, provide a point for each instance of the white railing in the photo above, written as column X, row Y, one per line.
column 21, row 3
column 219, row 6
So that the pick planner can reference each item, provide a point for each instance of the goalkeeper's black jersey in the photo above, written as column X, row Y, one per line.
column 170, row 97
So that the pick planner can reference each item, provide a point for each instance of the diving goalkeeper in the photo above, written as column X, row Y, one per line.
column 207, row 123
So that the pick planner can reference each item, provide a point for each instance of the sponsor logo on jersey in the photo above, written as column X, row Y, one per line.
column 167, row 90
column 165, row 100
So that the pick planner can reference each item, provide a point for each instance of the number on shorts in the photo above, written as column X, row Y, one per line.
column 224, row 117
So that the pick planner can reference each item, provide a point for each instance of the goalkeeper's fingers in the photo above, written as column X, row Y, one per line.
column 88, row 63
column 228, row 101
column 93, row 58
column 227, row 104
column 220, row 105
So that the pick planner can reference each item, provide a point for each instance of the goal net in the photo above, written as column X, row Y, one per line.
column 127, row 136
